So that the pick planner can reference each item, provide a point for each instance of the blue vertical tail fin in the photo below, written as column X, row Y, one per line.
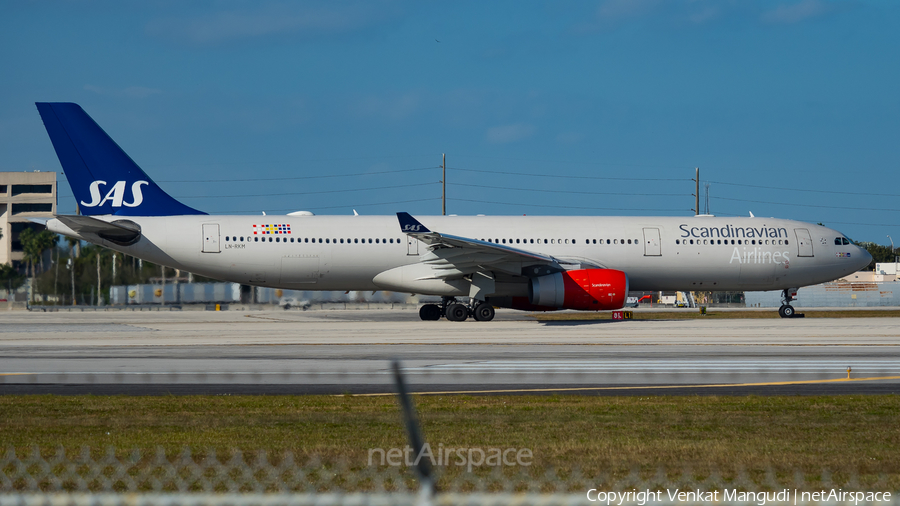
column 103, row 178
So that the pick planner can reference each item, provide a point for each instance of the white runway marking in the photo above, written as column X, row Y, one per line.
column 683, row 365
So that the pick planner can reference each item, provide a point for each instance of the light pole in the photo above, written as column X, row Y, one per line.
column 892, row 249
column 71, row 267
column 98, row 279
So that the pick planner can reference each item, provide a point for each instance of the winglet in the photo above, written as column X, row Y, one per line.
column 409, row 225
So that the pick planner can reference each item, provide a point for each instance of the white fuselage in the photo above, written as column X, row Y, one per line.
column 341, row 252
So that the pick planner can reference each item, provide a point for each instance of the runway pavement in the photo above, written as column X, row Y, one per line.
column 350, row 351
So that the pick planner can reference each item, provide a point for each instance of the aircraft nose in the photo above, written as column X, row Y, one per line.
column 865, row 258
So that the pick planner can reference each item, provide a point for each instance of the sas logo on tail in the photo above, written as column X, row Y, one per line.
column 412, row 228
column 116, row 194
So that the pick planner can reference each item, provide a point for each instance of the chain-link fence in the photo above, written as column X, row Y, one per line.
column 194, row 474
column 187, row 471
column 138, row 477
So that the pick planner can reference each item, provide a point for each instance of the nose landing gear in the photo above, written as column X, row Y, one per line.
column 787, row 310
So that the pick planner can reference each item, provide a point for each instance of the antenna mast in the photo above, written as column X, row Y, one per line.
column 444, row 185
column 706, row 198
column 696, row 193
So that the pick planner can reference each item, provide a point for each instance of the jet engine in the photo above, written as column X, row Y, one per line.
column 584, row 289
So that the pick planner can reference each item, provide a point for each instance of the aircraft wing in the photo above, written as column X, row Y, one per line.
column 454, row 256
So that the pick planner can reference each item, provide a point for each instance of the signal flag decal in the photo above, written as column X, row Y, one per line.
column 279, row 229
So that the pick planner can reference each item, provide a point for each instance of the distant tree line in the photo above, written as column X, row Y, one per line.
column 73, row 270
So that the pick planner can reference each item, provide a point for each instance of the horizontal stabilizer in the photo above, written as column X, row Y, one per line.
column 122, row 232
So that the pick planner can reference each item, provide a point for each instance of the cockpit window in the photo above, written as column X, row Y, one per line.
column 841, row 241
column 837, row 241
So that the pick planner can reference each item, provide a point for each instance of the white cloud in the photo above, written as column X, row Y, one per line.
column 687, row 13
column 620, row 9
column 706, row 14
column 569, row 137
column 140, row 91
column 268, row 20
column 794, row 13
column 395, row 108
column 613, row 13
column 130, row 92
column 510, row 133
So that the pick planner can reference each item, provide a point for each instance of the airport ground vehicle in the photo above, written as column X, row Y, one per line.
column 290, row 302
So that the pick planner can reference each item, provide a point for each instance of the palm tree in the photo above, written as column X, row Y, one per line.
column 33, row 247
column 74, row 247
column 10, row 279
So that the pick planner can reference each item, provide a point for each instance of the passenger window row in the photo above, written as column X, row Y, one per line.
column 307, row 240
column 612, row 241
column 754, row 242
column 559, row 241
column 319, row 240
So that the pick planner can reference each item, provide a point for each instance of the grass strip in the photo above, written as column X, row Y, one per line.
column 711, row 434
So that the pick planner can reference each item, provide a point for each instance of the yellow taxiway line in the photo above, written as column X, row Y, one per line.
column 598, row 389
column 648, row 387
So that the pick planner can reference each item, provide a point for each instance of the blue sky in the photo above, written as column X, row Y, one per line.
column 791, row 108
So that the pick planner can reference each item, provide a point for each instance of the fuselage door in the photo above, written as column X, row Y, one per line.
column 804, row 242
column 210, row 238
column 651, row 243
column 412, row 245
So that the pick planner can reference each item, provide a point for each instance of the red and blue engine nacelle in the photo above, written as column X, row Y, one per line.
column 584, row 289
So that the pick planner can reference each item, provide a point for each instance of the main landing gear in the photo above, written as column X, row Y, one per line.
column 430, row 312
column 456, row 311
column 787, row 310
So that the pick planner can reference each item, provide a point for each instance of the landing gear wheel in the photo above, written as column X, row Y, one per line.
column 430, row 312
column 457, row 312
column 483, row 312
column 787, row 310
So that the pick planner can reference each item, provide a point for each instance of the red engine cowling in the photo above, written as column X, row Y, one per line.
column 585, row 289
